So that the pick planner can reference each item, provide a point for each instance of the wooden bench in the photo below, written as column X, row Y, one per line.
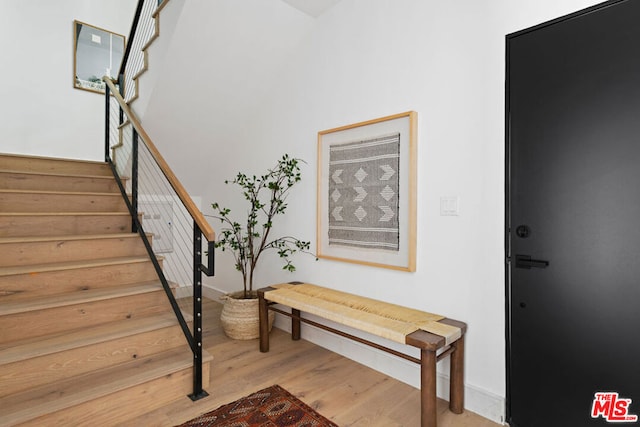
column 436, row 337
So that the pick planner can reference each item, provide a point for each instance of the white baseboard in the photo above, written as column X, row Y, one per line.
column 207, row 292
column 212, row 293
column 482, row 402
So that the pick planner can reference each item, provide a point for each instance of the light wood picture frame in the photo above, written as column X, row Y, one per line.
column 96, row 53
column 366, row 194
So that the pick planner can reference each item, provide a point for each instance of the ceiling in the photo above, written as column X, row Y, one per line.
column 312, row 8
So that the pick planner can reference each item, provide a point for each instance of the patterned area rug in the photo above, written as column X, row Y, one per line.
column 271, row 407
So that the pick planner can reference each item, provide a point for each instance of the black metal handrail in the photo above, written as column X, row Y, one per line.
column 132, row 34
column 201, row 228
column 139, row 136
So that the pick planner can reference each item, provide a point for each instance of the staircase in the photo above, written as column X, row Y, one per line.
column 138, row 60
column 87, row 336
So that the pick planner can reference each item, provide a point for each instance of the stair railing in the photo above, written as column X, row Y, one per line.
column 179, row 229
column 143, row 32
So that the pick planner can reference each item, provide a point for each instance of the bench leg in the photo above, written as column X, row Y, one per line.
column 295, row 324
column 263, row 313
column 456, row 374
column 428, row 388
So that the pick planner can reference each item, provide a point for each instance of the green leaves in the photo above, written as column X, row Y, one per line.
column 266, row 195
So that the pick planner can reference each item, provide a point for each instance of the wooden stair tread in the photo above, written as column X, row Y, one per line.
column 29, row 250
column 40, row 346
column 72, row 265
column 74, row 298
column 56, row 174
column 54, row 159
column 29, row 161
column 33, row 239
column 61, row 193
column 64, row 214
column 26, row 224
column 120, row 126
column 97, row 213
column 83, row 388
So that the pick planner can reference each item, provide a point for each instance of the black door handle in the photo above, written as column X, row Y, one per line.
column 525, row 261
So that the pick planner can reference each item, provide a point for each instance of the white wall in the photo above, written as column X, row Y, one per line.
column 244, row 82
column 221, row 62
column 361, row 60
column 41, row 113
column 368, row 59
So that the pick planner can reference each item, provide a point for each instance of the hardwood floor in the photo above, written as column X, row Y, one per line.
column 342, row 390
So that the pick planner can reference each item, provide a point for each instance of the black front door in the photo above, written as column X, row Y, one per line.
column 573, row 219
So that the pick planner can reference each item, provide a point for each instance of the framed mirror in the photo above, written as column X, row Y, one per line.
column 97, row 53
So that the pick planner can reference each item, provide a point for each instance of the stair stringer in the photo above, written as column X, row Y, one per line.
column 167, row 18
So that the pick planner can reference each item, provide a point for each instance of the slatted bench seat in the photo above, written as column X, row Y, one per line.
column 436, row 336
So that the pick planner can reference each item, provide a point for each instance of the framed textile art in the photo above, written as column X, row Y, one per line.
column 366, row 208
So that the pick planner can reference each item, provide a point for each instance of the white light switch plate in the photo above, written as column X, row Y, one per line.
column 449, row 206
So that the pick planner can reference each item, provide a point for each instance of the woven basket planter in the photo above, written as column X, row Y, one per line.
column 240, row 319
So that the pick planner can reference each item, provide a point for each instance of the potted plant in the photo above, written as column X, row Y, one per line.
column 267, row 195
